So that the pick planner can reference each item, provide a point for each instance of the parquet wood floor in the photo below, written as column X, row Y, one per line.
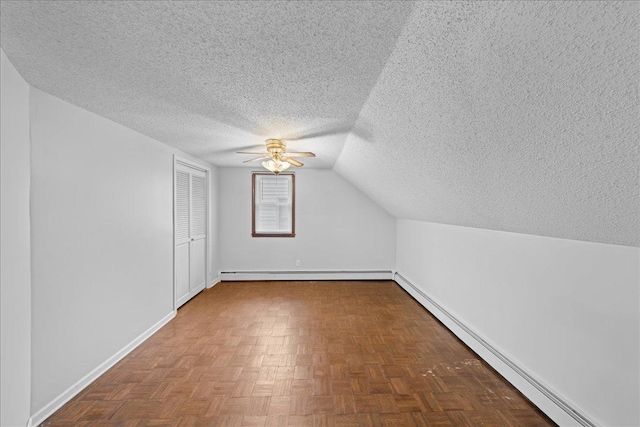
column 301, row 354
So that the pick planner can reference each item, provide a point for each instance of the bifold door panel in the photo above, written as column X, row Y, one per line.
column 190, row 232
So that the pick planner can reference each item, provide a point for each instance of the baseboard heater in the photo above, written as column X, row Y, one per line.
column 307, row 275
column 543, row 390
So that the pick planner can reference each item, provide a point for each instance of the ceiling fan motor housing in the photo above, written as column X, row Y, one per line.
column 276, row 146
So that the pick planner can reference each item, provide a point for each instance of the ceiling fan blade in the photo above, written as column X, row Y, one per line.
column 251, row 152
column 257, row 158
column 302, row 154
column 292, row 161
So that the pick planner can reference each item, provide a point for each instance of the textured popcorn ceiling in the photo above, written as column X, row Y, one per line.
column 210, row 77
column 510, row 116
column 515, row 116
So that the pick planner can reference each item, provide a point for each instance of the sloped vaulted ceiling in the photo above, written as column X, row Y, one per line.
column 509, row 116
column 516, row 116
column 210, row 77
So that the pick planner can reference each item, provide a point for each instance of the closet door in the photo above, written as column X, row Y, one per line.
column 198, row 243
column 190, row 232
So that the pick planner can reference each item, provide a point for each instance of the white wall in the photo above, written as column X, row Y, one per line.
column 102, row 228
column 566, row 311
column 337, row 227
column 15, row 261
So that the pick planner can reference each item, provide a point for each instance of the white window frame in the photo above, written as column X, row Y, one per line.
column 291, row 204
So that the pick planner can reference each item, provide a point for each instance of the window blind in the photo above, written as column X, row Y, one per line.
column 273, row 205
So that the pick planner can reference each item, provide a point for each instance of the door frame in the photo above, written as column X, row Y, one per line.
column 207, row 172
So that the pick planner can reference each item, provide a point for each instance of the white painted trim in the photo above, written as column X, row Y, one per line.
column 182, row 301
column 69, row 393
column 553, row 405
column 214, row 282
column 173, row 248
column 190, row 163
column 307, row 275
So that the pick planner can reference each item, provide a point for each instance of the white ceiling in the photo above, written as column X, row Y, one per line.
column 515, row 116
column 509, row 116
column 210, row 77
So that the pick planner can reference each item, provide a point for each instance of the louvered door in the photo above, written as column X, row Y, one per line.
column 190, row 232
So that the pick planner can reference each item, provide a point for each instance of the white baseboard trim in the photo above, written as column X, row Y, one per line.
column 69, row 393
column 214, row 282
column 554, row 406
column 306, row 275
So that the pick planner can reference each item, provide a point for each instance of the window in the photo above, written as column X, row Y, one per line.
column 273, row 205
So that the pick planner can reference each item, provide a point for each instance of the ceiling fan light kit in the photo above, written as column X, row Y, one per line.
column 278, row 158
column 276, row 166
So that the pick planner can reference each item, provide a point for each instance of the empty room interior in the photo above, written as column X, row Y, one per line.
column 320, row 213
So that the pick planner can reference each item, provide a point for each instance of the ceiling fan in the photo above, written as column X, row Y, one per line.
column 278, row 159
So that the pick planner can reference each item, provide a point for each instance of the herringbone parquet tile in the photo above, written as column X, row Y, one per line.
column 301, row 354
